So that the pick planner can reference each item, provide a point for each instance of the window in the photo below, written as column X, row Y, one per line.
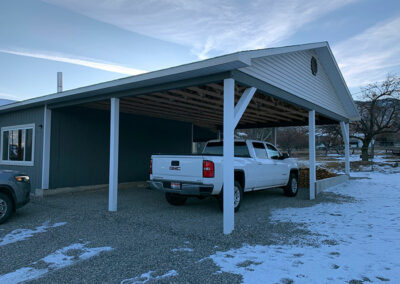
column 259, row 149
column 216, row 148
column 273, row 153
column 17, row 145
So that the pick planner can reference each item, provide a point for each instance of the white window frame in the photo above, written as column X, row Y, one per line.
column 18, row 163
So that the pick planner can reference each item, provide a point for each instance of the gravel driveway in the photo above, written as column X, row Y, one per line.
column 147, row 239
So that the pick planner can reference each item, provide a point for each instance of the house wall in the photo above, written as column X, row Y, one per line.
column 81, row 138
column 292, row 72
column 28, row 116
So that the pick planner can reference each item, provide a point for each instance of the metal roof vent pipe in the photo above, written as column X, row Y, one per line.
column 59, row 82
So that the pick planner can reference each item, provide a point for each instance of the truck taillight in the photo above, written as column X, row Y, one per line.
column 151, row 166
column 208, row 169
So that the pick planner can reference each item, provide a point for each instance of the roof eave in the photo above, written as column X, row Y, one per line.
column 201, row 68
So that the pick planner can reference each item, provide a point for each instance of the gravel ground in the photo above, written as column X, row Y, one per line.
column 144, row 232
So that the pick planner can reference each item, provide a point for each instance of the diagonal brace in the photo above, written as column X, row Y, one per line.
column 242, row 104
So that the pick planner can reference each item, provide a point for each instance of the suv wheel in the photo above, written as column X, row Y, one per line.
column 292, row 187
column 6, row 207
column 175, row 199
column 237, row 197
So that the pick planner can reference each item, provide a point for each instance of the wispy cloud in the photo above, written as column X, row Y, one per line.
column 370, row 55
column 88, row 62
column 10, row 97
column 207, row 26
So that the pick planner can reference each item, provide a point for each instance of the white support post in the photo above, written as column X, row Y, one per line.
column 114, row 146
column 194, row 149
column 46, row 148
column 242, row 104
column 228, row 169
column 311, row 143
column 346, row 138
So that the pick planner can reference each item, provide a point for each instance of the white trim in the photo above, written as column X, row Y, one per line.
column 311, row 145
column 228, row 145
column 46, row 147
column 17, row 127
column 18, row 163
column 114, row 147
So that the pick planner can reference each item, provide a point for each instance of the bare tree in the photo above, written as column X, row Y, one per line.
column 331, row 138
column 290, row 138
column 379, row 111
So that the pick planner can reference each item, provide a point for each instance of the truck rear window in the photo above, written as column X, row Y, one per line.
column 216, row 148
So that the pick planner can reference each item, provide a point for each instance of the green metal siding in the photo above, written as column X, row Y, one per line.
column 81, row 138
column 28, row 116
column 201, row 134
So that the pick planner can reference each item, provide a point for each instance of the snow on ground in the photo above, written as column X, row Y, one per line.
column 185, row 248
column 23, row 234
column 352, row 157
column 356, row 240
column 182, row 249
column 356, row 157
column 61, row 258
column 149, row 276
column 381, row 163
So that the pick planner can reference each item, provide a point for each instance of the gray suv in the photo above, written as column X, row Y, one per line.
column 15, row 190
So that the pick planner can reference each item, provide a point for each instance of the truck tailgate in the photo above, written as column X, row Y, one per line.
column 178, row 167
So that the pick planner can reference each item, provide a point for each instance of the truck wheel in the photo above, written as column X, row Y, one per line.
column 237, row 197
column 291, row 188
column 6, row 207
column 175, row 199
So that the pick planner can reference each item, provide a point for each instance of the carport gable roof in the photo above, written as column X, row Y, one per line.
column 210, row 70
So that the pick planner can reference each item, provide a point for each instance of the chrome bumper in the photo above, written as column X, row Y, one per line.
column 193, row 189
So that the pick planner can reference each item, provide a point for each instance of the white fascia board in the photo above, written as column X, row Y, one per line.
column 285, row 49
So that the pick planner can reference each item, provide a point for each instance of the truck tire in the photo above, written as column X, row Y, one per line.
column 292, row 188
column 6, row 207
column 175, row 199
column 237, row 197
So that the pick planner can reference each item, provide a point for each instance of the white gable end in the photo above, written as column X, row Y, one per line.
column 291, row 72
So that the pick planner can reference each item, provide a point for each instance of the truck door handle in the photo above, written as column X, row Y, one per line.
column 259, row 163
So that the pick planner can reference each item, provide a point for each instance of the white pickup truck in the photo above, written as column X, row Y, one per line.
column 258, row 165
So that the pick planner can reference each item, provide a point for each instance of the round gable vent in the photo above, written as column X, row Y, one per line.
column 314, row 66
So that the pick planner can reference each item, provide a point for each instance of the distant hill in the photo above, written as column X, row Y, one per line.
column 6, row 102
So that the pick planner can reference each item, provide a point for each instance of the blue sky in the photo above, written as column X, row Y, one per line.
column 93, row 41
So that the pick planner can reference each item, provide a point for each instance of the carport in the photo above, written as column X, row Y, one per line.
column 225, row 104
column 277, row 87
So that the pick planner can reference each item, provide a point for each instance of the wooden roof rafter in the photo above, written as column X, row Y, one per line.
column 203, row 106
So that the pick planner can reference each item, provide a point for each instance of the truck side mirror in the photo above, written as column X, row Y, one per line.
column 285, row 156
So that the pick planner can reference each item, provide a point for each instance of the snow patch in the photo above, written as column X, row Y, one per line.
column 355, row 240
column 149, row 276
column 61, row 258
column 182, row 250
column 23, row 234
